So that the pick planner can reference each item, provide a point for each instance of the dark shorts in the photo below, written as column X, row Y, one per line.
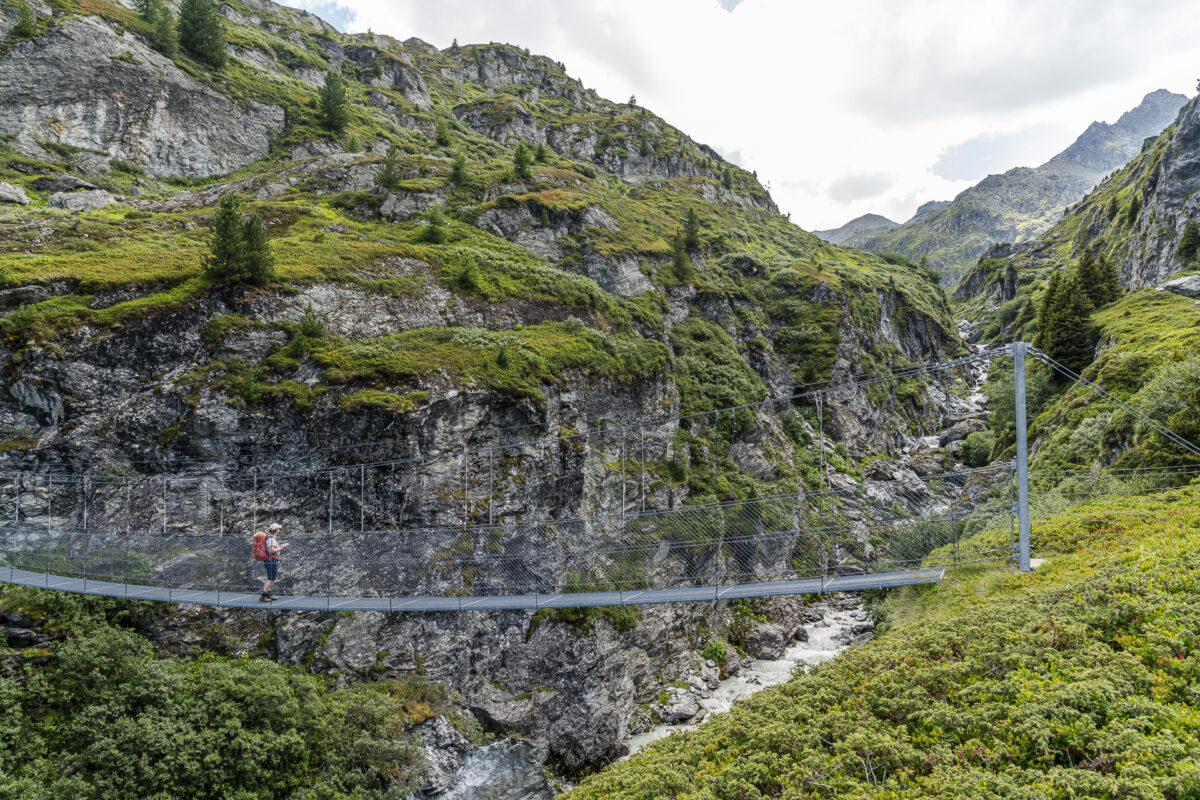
column 272, row 568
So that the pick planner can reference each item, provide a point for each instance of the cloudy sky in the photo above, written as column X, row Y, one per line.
column 842, row 108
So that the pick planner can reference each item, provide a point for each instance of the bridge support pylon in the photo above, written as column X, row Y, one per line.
column 1019, row 350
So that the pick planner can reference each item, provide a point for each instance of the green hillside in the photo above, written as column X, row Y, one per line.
column 1078, row 680
column 504, row 240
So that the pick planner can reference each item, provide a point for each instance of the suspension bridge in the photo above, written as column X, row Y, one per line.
column 184, row 538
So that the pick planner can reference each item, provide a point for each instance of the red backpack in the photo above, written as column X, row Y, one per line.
column 259, row 548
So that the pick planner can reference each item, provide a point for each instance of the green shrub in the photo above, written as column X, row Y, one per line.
column 311, row 326
column 977, row 448
column 105, row 718
column 715, row 651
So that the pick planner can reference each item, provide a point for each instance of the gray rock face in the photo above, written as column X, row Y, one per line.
column 1188, row 286
column 87, row 86
column 1169, row 200
column 80, row 201
column 22, row 295
column 399, row 207
column 13, row 194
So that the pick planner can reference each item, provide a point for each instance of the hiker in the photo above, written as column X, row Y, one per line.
column 266, row 548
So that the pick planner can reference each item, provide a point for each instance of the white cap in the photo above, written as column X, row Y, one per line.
column 274, row 526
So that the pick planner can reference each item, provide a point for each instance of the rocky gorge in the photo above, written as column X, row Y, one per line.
column 551, row 306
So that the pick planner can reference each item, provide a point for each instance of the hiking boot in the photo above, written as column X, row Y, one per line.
column 265, row 598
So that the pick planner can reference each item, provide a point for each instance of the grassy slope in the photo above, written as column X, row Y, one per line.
column 1078, row 680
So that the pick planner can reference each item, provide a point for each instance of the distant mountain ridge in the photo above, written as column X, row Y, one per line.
column 1021, row 203
column 859, row 225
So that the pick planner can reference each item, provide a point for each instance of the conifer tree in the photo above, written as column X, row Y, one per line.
column 225, row 240
column 644, row 148
column 458, row 169
column 1109, row 279
column 258, row 265
column 680, row 263
column 165, row 36
column 201, row 31
column 146, row 9
column 1111, row 210
column 1027, row 313
column 389, row 174
column 333, row 113
column 604, row 142
column 441, row 133
column 1045, row 311
column 691, row 229
column 1064, row 326
column 541, row 155
column 1088, row 278
column 25, row 23
column 1189, row 242
column 521, row 162
column 239, row 248
column 435, row 231
column 1135, row 208
column 727, row 178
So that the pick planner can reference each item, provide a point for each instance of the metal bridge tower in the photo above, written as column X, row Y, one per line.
column 1019, row 350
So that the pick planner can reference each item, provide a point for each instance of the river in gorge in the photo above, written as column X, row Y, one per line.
column 827, row 637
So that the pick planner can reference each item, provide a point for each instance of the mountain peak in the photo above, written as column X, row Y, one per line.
column 858, row 225
column 1104, row 147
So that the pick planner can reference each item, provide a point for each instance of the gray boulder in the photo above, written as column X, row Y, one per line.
column 60, row 183
column 81, row 201
column 1188, row 286
column 960, row 430
column 399, row 207
column 13, row 194
column 769, row 640
column 681, row 707
column 22, row 295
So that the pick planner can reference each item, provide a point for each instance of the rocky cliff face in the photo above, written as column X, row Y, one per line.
column 86, row 85
column 1022, row 203
column 549, row 306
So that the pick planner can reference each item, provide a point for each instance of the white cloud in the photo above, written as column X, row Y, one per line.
column 859, row 186
column 813, row 94
column 996, row 151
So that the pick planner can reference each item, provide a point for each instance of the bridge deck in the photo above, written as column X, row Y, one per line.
column 840, row 583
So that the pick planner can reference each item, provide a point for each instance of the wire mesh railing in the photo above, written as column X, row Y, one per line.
column 779, row 538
